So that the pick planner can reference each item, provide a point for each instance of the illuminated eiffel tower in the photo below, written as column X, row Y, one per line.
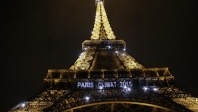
column 106, row 78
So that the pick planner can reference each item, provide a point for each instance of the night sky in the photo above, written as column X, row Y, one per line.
column 37, row 35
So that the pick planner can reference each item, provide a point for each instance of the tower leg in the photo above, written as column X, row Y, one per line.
column 154, row 109
column 112, row 107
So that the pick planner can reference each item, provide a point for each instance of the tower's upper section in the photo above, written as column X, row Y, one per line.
column 103, row 51
column 102, row 28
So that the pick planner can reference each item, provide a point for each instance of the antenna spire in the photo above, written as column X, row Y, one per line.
column 99, row 0
column 102, row 28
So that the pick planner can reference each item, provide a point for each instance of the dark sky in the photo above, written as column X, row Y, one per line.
column 40, row 34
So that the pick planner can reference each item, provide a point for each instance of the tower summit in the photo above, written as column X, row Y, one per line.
column 102, row 28
column 106, row 78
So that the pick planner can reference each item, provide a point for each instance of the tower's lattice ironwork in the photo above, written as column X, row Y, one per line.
column 106, row 78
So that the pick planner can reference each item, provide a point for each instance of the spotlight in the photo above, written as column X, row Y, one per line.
column 145, row 88
column 109, row 47
column 100, row 87
column 128, row 89
column 23, row 105
column 155, row 89
column 87, row 98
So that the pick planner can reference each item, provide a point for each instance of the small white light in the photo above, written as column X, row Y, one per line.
column 87, row 98
column 100, row 87
column 109, row 47
column 128, row 89
column 80, row 55
column 23, row 105
column 116, row 52
column 124, row 49
column 125, row 87
column 155, row 89
column 123, row 54
column 145, row 88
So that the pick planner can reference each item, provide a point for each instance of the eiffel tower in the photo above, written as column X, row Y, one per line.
column 106, row 78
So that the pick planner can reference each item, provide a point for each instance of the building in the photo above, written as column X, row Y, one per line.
column 106, row 78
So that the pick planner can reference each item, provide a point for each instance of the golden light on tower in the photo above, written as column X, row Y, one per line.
column 106, row 77
column 102, row 28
